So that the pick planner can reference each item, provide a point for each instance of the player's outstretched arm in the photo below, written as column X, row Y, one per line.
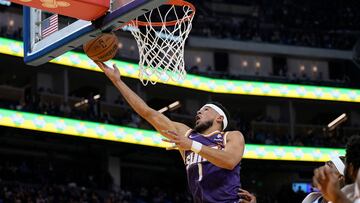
column 227, row 158
column 230, row 156
column 159, row 121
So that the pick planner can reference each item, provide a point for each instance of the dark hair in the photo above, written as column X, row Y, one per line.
column 343, row 159
column 224, row 110
column 353, row 151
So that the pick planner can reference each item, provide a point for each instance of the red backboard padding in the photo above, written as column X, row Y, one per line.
column 80, row 9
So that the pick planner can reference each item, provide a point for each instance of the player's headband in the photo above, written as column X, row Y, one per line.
column 340, row 166
column 219, row 111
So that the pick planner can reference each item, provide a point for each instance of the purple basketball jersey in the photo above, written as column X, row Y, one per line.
column 207, row 182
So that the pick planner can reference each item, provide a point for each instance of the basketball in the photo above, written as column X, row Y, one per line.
column 102, row 48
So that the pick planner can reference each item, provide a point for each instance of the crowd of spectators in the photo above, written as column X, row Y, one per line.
column 259, row 130
column 335, row 26
column 24, row 179
column 40, row 181
column 281, row 22
column 311, row 139
column 28, row 180
column 29, row 170
column 274, row 21
column 7, row 32
column 90, row 111
column 283, row 77
column 33, row 193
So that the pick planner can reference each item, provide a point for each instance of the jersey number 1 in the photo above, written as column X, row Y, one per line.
column 200, row 171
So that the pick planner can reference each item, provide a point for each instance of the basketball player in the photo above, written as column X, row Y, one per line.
column 338, row 165
column 326, row 180
column 212, row 156
column 329, row 186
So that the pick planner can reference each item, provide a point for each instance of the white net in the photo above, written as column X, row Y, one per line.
column 160, row 36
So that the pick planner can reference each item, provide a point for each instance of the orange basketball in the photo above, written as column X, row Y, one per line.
column 102, row 48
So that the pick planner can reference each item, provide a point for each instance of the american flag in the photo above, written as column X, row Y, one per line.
column 49, row 26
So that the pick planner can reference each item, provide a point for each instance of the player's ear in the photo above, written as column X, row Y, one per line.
column 219, row 119
column 352, row 171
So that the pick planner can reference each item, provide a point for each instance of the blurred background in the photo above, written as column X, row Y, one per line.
column 303, row 45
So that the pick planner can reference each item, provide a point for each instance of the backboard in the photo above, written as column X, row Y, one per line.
column 73, row 32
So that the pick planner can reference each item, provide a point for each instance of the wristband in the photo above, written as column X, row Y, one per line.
column 196, row 146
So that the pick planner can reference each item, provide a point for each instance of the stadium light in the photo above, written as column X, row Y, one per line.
column 163, row 109
column 171, row 107
column 174, row 106
column 198, row 59
column 335, row 123
column 302, row 68
column 85, row 101
column 244, row 63
column 120, row 45
column 96, row 97
column 11, row 23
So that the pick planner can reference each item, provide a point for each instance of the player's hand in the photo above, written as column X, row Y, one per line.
column 181, row 142
column 246, row 197
column 327, row 181
column 112, row 73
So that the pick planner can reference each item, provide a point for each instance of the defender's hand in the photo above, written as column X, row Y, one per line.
column 112, row 73
column 246, row 197
column 326, row 180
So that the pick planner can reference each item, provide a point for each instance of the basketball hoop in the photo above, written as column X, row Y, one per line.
column 160, row 35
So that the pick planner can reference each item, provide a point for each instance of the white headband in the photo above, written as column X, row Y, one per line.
column 219, row 111
column 340, row 166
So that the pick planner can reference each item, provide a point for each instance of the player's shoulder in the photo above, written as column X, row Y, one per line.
column 234, row 133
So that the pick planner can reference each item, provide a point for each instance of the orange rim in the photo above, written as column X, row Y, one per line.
column 169, row 23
